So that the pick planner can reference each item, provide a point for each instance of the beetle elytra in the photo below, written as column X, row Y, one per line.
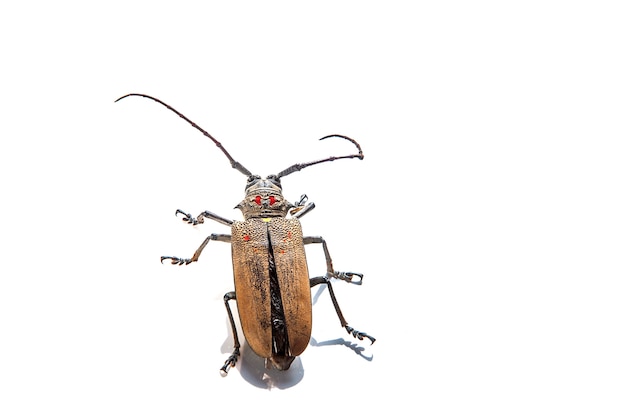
column 272, row 284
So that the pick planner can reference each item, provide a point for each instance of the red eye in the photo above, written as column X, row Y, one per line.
column 258, row 199
column 272, row 200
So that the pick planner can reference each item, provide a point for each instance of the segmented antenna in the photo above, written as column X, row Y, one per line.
column 236, row 165
column 233, row 162
column 299, row 166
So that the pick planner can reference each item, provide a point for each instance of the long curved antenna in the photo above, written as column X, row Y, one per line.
column 233, row 162
column 299, row 166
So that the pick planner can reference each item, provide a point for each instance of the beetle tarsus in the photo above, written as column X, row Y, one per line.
column 189, row 219
column 348, row 276
column 230, row 362
column 358, row 334
column 176, row 260
column 200, row 219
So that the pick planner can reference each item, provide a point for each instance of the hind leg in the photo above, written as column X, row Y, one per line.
column 357, row 334
column 232, row 360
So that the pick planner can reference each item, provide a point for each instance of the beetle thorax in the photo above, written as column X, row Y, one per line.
column 264, row 198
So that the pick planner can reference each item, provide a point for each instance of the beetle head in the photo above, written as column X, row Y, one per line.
column 264, row 198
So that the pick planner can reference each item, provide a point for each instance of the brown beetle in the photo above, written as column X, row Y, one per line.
column 272, row 284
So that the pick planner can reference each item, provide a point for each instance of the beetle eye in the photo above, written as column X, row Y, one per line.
column 257, row 199
column 272, row 200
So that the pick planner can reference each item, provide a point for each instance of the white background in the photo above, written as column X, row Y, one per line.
column 487, row 215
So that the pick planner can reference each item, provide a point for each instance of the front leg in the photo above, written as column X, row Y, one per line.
column 200, row 220
column 180, row 261
column 330, row 272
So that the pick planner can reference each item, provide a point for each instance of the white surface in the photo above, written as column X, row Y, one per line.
column 487, row 215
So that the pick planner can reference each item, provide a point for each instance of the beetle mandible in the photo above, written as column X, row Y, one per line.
column 272, row 284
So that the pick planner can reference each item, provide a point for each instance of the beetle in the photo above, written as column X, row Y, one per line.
column 272, row 284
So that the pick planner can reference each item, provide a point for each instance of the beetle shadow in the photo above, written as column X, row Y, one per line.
column 317, row 295
column 254, row 371
column 252, row 367
column 356, row 348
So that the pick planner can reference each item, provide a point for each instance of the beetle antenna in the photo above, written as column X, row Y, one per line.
column 299, row 166
column 233, row 162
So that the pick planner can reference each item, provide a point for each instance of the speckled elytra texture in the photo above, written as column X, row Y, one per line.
column 251, row 243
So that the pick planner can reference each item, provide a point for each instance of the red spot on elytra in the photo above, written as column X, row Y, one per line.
column 246, row 237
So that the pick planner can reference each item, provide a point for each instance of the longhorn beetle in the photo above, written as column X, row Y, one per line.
column 272, row 285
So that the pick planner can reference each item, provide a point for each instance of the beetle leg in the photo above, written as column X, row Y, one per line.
column 357, row 334
column 200, row 220
column 330, row 272
column 232, row 360
column 180, row 261
column 186, row 217
column 348, row 276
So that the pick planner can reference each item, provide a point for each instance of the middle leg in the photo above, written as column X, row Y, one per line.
column 180, row 261
column 330, row 271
